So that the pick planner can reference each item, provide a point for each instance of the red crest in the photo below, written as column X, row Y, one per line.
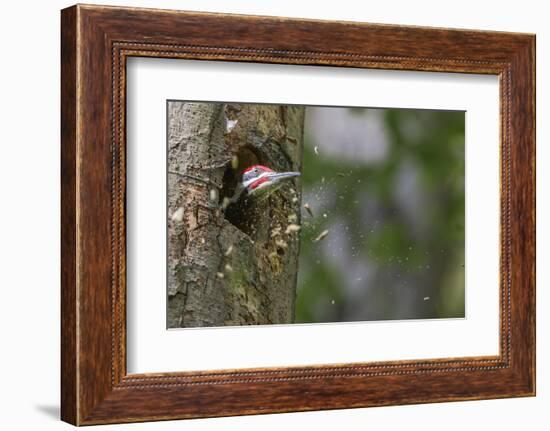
column 260, row 167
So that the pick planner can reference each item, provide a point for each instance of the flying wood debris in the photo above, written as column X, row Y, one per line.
column 234, row 162
column 276, row 231
column 220, row 275
column 214, row 195
column 178, row 215
column 225, row 203
column 321, row 236
column 230, row 125
column 316, row 149
column 229, row 250
column 292, row 228
column 281, row 243
column 308, row 209
column 228, row 268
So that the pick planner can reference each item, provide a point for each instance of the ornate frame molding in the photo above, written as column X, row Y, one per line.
column 96, row 41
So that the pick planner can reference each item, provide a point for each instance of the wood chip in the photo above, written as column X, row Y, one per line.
column 225, row 203
column 230, row 125
column 321, row 236
column 178, row 215
column 292, row 228
column 308, row 209
column 234, row 162
column 214, row 195
column 281, row 243
column 276, row 231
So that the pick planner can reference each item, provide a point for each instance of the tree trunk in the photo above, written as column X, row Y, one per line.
column 239, row 271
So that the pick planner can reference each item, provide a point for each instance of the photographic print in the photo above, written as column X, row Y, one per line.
column 282, row 214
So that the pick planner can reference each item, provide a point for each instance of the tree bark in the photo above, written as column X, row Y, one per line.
column 239, row 271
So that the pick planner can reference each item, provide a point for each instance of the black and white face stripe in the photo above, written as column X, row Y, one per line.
column 251, row 174
column 260, row 177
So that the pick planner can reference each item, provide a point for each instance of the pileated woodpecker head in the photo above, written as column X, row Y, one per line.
column 259, row 180
column 257, row 183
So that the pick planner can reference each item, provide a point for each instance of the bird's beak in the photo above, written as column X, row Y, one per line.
column 280, row 176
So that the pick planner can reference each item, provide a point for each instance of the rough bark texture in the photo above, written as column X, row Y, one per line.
column 240, row 271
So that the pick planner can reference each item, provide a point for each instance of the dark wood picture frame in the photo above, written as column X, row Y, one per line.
column 95, row 43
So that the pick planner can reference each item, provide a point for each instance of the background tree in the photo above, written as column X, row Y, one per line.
column 242, row 270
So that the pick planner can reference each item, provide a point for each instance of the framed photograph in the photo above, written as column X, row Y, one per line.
column 266, row 215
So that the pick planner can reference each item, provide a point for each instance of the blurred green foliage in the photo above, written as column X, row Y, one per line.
column 395, row 242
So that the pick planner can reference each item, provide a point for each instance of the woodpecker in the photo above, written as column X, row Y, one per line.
column 258, row 182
